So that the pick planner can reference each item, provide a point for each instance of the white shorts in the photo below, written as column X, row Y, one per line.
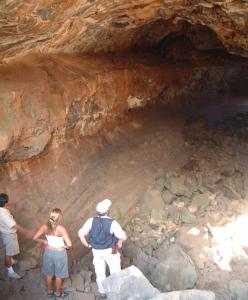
column 11, row 244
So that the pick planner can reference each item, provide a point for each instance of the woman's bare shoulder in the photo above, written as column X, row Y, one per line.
column 61, row 228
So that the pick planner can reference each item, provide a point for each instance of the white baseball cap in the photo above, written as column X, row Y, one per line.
column 103, row 206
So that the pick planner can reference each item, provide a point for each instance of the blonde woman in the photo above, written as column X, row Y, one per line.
column 55, row 260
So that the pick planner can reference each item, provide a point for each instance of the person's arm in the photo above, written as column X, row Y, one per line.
column 83, row 239
column 119, row 233
column 11, row 223
column 27, row 232
column 39, row 233
column 120, row 241
column 83, row 232
column 65, row 237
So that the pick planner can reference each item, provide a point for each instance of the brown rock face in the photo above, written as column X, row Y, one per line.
column 53, row 92
column 103, row 26
column 46, row 100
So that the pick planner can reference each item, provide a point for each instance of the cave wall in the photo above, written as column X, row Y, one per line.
column 48, row 100
column 102, row 26
column 45, row 100
column 53, row 99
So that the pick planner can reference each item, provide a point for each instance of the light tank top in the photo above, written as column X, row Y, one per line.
column 55, row 241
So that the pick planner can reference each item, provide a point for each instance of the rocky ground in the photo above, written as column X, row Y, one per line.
column 188, row 231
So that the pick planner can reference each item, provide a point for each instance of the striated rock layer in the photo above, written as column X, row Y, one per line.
column 45, row 101
column 102, row 26
column 118, row 164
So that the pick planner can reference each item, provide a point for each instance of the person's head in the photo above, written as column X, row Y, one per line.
column 54, row 218
column 102, row 207
column 4, row 198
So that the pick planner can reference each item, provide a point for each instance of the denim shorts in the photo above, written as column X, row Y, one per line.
column 55, row 263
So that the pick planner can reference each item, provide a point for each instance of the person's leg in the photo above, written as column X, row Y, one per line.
column 58, row 285
column 114, row 262
column 11, row 248
column 100, row 269
column 49, row 284
column 8, row 261
column 48, row 270
column 9, row 271
column 61, row 271
column 14, row 261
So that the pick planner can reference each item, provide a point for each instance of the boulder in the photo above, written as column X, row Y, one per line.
column 177, row 186
column 180, row 216
column 145, row 262
column 87, row 279
column 238, row 289
column 77, row 282
column 175, row 272
column 186, row 295
column 167, row 196
column 151, row 200
column 129, row 284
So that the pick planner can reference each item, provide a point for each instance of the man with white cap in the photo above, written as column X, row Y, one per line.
column 104, row 235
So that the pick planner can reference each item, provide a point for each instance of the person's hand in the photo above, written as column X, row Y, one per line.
column 15, row 206
column 44, row 244
column 11, row 206
column 67, row 247
column 119, row 244
column 87, row 245
column 115, row 249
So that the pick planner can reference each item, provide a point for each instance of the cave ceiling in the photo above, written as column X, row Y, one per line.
column 71, row 26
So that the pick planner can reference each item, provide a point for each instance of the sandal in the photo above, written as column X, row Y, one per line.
column 50, row 294
column 62, row 295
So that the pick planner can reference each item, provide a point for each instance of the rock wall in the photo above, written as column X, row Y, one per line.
column 48, row 100
column 103, row 26
column 53, row 99
column 51, row 107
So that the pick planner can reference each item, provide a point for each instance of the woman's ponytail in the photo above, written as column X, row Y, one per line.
column 55, row 217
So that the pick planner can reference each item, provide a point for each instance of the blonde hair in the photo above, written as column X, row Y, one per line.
column 55, row 217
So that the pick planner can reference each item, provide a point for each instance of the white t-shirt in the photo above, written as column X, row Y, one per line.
column 7, row 221
column 114, row 229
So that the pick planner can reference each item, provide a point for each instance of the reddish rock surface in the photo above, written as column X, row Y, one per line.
column 47, row 99
column 103, row 26
column 70, row 134
column 119, row 164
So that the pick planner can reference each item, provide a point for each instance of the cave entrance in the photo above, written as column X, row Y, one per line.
column 161, row 130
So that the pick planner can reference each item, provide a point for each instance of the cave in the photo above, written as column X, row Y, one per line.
column 144, row 103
